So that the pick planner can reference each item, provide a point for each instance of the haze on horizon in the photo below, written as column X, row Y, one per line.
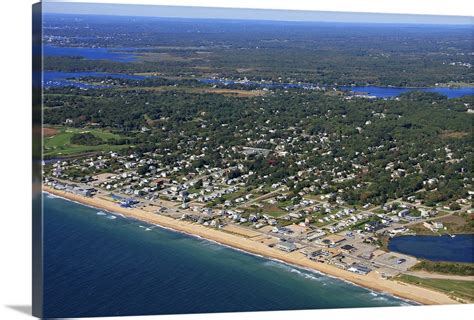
column 247, row 14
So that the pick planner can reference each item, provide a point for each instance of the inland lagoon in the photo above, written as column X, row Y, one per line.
column 127, row 55
column 73, row 79
column 391, row 92
column 457, row 248
column 111, row 54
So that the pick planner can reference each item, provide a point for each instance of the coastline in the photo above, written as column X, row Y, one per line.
column 371, row 281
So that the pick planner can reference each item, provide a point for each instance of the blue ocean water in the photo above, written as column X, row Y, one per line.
column 436, row 248
column 100, row 264
column 390, row 92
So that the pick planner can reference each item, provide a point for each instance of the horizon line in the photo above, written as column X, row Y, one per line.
column 194, row 12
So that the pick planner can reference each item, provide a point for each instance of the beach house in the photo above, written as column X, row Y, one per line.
column 286, row 246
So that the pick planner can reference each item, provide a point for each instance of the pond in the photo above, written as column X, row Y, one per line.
column 459, row 248
column 391, row 92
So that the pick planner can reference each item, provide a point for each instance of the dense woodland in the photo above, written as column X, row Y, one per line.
column 413, row 133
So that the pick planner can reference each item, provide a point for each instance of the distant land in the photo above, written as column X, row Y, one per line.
column 249, row 14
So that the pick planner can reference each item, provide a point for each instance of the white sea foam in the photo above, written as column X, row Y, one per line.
column 269, row 260
column 79, row 203
column 101, row 213
column 381, row 298
column 307, row 275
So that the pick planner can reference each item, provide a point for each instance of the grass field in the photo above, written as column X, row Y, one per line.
column 458, row 288
column 272, row 210
column 454, row 224
column 455, row 268
column 59, row 144
column 229, row 92
column 49, row 132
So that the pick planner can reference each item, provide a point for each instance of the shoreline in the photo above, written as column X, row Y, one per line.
column 372, row 281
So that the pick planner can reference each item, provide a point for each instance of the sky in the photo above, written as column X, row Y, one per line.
column 250, row 14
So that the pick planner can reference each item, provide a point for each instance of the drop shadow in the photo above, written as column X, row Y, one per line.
column 25, row 309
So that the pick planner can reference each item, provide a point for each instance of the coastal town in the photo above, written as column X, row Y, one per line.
column 326, row 187
column 322, row 228
column 322, row 152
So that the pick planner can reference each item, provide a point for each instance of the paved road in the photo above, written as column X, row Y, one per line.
column 265, row 196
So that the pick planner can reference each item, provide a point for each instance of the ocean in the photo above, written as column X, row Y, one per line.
column 102, row 264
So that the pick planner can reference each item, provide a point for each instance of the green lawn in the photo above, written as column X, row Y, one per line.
column 456, row 268
column 234, row 195
column 272, row 210
column 313, row 197
column 194, row 190
column 60, row 144
column 457, row 288
column 284, row 204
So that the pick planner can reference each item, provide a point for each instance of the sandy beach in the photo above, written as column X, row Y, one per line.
column 372, row 281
